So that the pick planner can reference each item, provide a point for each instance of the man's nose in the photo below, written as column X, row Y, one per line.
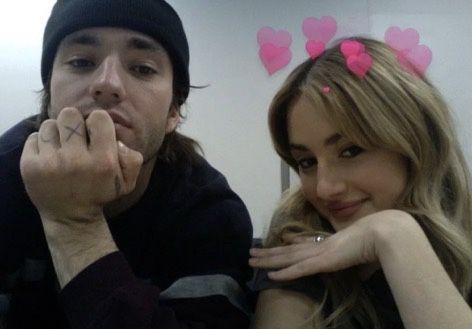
column 107, row 87
column 330, row 184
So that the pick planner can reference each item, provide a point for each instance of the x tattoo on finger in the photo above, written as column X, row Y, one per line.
column 73, row 131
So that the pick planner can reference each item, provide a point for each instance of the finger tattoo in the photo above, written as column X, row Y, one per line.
column 73, row 131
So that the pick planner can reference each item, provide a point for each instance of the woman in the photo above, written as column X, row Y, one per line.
column 380, row 233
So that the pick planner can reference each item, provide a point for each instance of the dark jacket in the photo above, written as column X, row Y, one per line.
column 182, row 261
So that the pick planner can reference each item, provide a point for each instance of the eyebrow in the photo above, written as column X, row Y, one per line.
column 331, row 140
column 82, row 39
column 138, row 43
column 144, row 44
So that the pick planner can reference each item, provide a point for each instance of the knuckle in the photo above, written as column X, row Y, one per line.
column 106, row 164
column 32, row 138
column 48, row 123
column 47, row 170
column 68, row 161
column 28, row 167
column 129, row 186
column 32, row 168
column 138, row 159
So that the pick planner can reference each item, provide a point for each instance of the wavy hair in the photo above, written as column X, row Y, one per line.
column 398, row 111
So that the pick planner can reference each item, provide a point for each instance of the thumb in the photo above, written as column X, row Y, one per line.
column 130, row 163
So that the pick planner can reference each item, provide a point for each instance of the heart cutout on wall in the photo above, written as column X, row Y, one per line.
column 320, row 30
column 274, row 51
column 412, row 56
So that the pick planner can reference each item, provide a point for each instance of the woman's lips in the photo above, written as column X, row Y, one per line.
column 345, row 209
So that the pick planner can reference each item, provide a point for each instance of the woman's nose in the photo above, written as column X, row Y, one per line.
column 329, row 184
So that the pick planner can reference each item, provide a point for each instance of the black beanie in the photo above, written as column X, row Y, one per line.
column 155, row 18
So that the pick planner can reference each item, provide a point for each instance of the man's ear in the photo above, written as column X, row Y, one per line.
column 173, row 119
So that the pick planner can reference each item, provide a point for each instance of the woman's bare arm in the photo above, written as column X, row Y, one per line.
column 284, row 309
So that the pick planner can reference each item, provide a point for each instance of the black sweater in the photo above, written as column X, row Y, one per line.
column 182, row 260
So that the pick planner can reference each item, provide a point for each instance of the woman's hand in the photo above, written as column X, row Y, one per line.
column 352, row 246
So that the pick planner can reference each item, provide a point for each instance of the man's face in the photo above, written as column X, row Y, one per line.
column 124, row 72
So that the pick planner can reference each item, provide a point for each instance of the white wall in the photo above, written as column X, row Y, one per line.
column 229, row 117
column 21, row 29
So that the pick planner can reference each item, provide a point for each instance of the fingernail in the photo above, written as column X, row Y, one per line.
column 122, row 147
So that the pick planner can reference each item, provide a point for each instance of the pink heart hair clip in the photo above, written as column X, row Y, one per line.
column 358, row 61
column 275, row 52
column 326, row 89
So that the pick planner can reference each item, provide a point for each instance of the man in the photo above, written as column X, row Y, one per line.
column 109, row 218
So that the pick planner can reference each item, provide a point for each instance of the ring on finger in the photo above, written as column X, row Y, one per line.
column 318, row 238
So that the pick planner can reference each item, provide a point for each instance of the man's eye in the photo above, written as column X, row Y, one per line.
column 81, row 63
column 351, row 151
column 143, row 70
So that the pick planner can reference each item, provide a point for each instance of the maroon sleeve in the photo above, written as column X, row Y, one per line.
column 108, row 295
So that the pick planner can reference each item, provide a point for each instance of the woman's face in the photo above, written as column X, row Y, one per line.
column 343, row 181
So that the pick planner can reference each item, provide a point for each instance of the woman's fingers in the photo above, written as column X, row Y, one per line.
column 265, row 252
column 282, row 256
column 309, row 266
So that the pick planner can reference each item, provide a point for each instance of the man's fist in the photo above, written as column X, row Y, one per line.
column 72, row 168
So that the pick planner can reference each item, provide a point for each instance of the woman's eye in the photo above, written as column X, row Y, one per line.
column 306, row 163
column 143, row 70
column 351, row 151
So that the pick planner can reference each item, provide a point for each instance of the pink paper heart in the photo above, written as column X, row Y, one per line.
column 280, row 38
column 314, row 48
column 274, row 58
column 351, row 48
column 359, row 64
column 416, row 60
column 401, row 40
column 320, row 30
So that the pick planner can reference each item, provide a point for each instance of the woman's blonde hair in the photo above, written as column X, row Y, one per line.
column 399, row 111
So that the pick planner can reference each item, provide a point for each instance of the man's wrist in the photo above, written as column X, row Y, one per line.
column 76, row 245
